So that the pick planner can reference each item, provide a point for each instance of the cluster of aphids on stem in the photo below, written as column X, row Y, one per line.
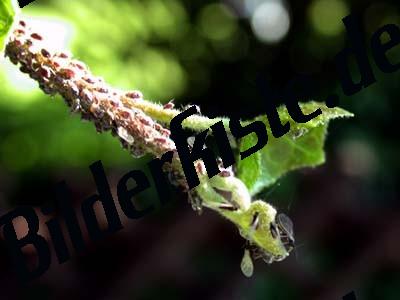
column 118, row 111
column 110, row 109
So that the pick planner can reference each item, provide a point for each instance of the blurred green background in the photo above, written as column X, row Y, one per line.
column 210, row 53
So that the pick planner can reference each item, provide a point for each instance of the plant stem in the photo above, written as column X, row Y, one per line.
column 159, row 113
column 130, row 118
column 136, row 122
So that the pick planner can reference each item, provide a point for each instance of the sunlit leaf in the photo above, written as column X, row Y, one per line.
column 8, row 11
column 302, row 146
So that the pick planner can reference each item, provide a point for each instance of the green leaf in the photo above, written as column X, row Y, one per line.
column 302, row 146
column 8, row 10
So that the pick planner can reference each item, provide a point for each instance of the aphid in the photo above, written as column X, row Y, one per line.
column 96, row 111
column 169, row 105
column 44, row 72
column 100, row 79
column 14, row 60
column 86, row 96
column 35, row 66
column 134, row 95
column 76, row 105
column 107, row 124
column 55, row 64
column 74, row 91
column 158, row 127
column 20, row 31
column 22, row 23
column 165, row 132
column 36, row 36
column 89, row 80
column 123, row 134
column 102, row 90
column 285, row 225
column 63, row 55
column 190, row 141
column 47, row 89
column 67, row 73
column 246, row 264
column 17, row 43
column 114, row 104
column 225, row 173
column 80, row 66
column 146, row 121
column 110, row 114
column 45, row 53
column 99, row 127
column 24, row 69
column 125, row 114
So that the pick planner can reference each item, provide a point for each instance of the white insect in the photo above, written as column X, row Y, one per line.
column 123, row 133
column 246, row 265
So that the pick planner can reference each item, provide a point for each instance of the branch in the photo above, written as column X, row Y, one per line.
column 136, row 123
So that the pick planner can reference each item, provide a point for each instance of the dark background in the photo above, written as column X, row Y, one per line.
column 346, row 213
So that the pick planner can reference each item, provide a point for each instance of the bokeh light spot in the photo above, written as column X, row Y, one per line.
column 271, row 21
column 326, row 16
column 358, row 158
column 217, row 22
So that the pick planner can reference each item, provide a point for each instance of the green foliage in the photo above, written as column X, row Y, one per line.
column 302, row 146
column 8, row 11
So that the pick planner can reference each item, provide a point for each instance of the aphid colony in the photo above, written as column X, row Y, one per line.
column 269, row 237
column 106, row 107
